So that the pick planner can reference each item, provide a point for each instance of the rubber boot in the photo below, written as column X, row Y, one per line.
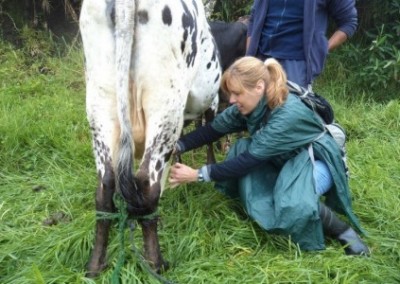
column 339, row 230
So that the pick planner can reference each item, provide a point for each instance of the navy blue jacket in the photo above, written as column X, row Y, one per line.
column 316, row 14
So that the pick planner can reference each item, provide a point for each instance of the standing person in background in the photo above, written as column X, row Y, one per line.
column 280, row 172
column 294, row 33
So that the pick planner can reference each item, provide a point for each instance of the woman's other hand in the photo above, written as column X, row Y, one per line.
column 180, row 174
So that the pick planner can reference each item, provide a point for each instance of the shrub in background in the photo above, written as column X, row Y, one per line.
column 231, row 10
column 371, row 60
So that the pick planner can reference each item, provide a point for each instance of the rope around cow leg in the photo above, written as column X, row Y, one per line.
column 122, row 217
column 122, row 221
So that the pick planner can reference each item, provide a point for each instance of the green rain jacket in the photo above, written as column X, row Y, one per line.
column 280, row 195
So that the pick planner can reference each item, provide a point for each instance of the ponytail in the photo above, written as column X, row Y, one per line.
column 276, row 89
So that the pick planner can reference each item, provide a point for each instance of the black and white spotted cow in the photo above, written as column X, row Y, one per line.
column 150, row 65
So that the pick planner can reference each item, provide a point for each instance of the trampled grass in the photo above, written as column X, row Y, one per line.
column 48, row 180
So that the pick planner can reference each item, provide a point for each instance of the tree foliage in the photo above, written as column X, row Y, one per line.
column 231, row 10
column 374, row 54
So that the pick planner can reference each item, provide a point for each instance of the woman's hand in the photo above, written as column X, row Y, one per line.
column 180, row 174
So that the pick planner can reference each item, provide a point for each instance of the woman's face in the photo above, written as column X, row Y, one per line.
column 245, row 100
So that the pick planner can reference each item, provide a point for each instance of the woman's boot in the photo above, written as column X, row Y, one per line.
column 339, row 230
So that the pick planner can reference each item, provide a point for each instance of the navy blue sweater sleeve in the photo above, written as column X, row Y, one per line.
column 199, row 137
column 234, row 168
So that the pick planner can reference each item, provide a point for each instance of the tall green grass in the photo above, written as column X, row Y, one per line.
column 48, row 179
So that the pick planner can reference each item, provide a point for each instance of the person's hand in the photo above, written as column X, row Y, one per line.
column 180, row 174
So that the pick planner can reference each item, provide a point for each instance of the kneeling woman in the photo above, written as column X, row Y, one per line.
column 280, row 172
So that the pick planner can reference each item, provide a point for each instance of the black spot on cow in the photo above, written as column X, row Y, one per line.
column 214, row 55
column 208, row 65
column 182, row 46
column 187, row 18
column 143, row 16
column 189, row 24
column 110, row 10
column 158, row 165
column 192, row 56
column 216, row 79
column 195, row 7
column 183, row 43
column 165, row 136
column 167, row 16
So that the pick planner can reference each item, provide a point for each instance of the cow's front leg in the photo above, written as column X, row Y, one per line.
column 104, row 204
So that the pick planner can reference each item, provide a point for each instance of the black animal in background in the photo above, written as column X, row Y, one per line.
column 231, row 42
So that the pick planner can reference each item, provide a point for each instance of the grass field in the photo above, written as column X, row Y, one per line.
column 48, row 180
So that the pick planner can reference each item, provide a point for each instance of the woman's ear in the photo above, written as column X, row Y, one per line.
column 260, row 87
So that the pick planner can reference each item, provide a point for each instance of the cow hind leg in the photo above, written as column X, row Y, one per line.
column 149, row 220
column 104, row 204
column 151, row 245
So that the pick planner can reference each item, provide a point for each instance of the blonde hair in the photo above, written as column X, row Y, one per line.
column 247, row 71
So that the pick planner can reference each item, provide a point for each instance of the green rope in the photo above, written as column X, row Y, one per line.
column 122, row 216
column 122, row 220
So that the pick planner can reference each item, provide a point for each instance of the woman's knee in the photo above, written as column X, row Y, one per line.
column 323, row 177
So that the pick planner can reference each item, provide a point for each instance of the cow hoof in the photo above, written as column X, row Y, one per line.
column 93, row 272
column 162, row 267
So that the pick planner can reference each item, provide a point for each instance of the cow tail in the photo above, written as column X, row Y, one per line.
column 124, row 34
